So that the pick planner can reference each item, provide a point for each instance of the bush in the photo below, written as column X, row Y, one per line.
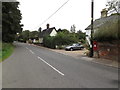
column 65, row 39
column 60, row 39
column 48, row 41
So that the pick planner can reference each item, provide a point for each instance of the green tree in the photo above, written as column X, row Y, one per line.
column 24, row 36
column 48, row 41
column 81, row 35
column 11, row 17
column 33, row 35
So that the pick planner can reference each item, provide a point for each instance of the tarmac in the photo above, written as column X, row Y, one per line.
column 81, row 54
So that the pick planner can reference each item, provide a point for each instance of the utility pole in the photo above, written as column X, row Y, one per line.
column 92, row 31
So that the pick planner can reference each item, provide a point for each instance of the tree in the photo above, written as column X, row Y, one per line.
column 33, row 35
column 65, row 31
column 24, row 36
column 11, row 17
column 27, row 35
column 113, row 5
column 72, row 29
column 81, row 35
column 63, row 37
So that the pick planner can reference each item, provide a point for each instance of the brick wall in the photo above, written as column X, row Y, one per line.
column 108, row 50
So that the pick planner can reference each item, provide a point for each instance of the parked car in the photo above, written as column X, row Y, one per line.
column 75, row 46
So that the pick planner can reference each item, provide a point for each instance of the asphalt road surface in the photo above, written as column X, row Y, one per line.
column 37, row 67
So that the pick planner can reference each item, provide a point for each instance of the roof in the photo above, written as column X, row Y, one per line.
column 99, row 22
column 46, row 32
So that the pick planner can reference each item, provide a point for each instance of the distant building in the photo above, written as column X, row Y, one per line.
column 47, row 32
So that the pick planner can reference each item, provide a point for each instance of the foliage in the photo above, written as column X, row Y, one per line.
column 73, row 29
column 33, row 35
column 81, row 36
column 26, row 35
column 11, row 17
column 64, row 37
column 0, row 51
column 7, row 49
column 49, row 42
column 64, row 31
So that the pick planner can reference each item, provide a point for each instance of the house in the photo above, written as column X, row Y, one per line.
column 47, row 32
column 104, row 27
column 96, row 24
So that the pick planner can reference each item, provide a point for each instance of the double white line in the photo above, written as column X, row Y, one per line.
column 47, row 63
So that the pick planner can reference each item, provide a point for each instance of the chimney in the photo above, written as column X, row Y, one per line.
column 48, row 26
column 104, row 13
column 40, row 29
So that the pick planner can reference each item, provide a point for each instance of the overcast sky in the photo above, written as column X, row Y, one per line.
column 76, row 12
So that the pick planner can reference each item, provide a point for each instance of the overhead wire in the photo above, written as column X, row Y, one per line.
column 54, row 12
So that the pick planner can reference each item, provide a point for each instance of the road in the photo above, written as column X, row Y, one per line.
column 37, row 67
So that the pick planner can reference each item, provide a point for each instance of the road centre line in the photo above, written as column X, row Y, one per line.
column 47, row 63
column 27, row 48
column 31, row 51
column 51, row 66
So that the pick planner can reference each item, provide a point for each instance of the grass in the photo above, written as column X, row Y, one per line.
column 6, row 51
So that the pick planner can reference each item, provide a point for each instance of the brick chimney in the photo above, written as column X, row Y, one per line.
column 104, row 13
column 48, row 26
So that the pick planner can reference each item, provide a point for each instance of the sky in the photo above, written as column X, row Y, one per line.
column 77, row 12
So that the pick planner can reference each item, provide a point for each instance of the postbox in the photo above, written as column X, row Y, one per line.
column 95, row 45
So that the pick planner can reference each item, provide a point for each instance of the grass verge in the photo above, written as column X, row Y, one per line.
column 6, row 51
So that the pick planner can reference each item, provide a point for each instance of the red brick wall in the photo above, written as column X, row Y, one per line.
column 109, row 50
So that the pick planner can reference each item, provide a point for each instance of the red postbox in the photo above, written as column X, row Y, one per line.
column 95, row 45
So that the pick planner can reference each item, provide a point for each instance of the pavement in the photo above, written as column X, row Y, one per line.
column 38, row 67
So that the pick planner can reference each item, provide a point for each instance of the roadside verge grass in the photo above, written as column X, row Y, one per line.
column 6, row 51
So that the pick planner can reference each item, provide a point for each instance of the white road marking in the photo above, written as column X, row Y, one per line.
column 27, row 48
column 46, row 63
column 51, row 66
column 31, row 51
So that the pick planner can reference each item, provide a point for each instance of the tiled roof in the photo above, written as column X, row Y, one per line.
column 99, row 22
column 46, row 32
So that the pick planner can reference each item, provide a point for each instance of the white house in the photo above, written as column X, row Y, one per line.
column 47, row 32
